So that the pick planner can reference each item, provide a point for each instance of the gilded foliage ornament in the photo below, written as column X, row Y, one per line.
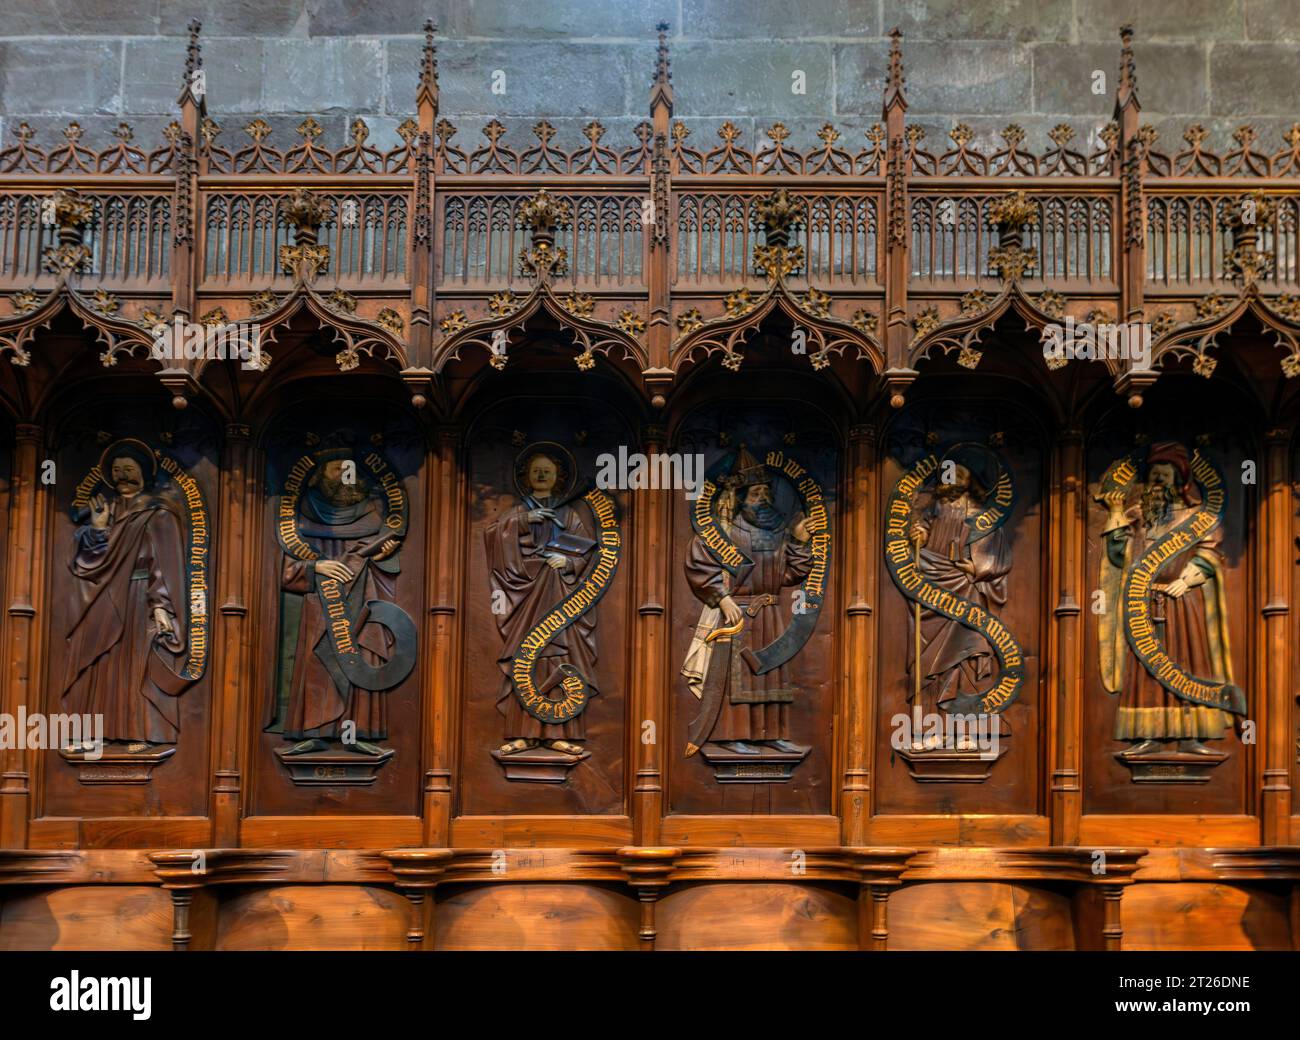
column 631, row 323
column 817, row 302
column 738, row 302
column 392, row 321
column 25, row 300
column 543, row 259
column 1212, row 306
column 105, row 302
column 1052, row 303
column 1288, row 306
column 777, row 261
column 690, row 320
column 1163, row 322
column 865, row 321
column 339, row 300
column 262, row 302
column 579, row 304
column 502, row 303
column 925, row 322
column 453, row 322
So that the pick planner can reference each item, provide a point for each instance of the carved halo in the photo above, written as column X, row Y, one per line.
column 136, row 449
column 557, row 453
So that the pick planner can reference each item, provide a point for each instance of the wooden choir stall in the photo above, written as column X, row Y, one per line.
column 659, row 544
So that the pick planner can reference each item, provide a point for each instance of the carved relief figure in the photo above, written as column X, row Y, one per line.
column 956, row 660
column 343, row 640
column 548, row 568
column 744, row 554
column 948, row 552
column 1164, row 634
column 130, row 653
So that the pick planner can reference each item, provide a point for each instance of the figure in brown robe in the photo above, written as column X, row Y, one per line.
column 534, row 566
column 957, row 660
column 1187, row 608
column 128, row 638
column 343, row 524
column 756, row 708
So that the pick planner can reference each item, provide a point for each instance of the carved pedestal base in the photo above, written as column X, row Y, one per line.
column 1171, row 767
column 117, row 767
column 335, row 768
column 770, row 766
column 539, row 765
column 947, row 766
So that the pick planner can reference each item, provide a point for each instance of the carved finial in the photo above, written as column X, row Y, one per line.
column 428, row 68
column 306, row 258
column 895, row 80
column 194, row 53
column 193, row 89
column 1246, row 262
column 71, row 212
column 542, row 258
column 1127, row 92
column 1010, row 214
column 778, row 214
column 663, row 74
column 662, row 89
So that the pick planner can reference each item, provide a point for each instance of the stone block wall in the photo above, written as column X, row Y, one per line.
column 983, row 62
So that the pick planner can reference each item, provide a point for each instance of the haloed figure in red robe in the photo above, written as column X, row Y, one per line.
column 129, row 634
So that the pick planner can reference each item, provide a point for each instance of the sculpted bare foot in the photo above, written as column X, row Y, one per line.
column 513, row 747
column 568, row 747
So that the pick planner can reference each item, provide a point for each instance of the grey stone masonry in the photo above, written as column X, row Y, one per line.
column 987, row 63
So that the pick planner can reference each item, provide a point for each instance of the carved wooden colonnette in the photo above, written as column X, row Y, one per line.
column 661, row 545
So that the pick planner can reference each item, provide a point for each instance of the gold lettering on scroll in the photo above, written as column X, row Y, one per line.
column 577, row 603
column 1141, row 584
column 198, row 565
column 910, row 574
column 707, row 528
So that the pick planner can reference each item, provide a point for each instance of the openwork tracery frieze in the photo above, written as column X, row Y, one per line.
column 673, row 244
